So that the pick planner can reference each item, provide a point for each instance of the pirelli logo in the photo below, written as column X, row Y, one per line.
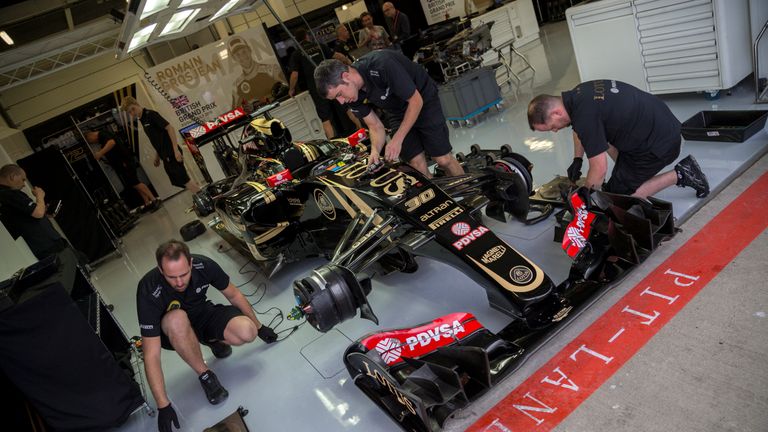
column 442, row 220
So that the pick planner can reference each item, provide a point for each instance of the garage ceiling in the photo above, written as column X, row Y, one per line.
column 49, row 35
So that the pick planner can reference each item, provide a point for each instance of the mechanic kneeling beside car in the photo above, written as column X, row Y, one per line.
column 175, row 314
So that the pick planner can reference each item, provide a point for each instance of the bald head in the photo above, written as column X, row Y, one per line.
column 389, row 9
column 13, row 176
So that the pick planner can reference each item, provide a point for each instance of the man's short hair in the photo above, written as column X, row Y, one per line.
column 128, row 101
column 300, row 34
column 328, row 74
column 364, row 14
column 539, row 109
column 172, row 250
column 7, row 171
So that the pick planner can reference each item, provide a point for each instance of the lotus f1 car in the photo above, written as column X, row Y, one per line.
column 421, row 375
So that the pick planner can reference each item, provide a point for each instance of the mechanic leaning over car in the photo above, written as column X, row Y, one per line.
column 175, row 314
column 162, row 136
column 636, row 129
column 402, row 88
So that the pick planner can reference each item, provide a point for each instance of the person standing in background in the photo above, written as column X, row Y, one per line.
column 374, row 37
column 398, row 23
column 163, row 138
column 121, row 160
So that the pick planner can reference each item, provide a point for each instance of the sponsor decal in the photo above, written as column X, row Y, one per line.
column 373, row 73
column 294, row 201
column 460, row 228
column 446, row 218
column 279, row 178
column 493, row 254
column 577, row 232
column 385, row 95
column 173, row 305
column 223, row 119
column 389, row 350
column 436, row 210
column 470, row 237
column 391, row 181
column 434, row 334
column 373, row 371
column 324, row 204
column 146, row 326
column 521, row 275
column 415, row 342
column 157, row 291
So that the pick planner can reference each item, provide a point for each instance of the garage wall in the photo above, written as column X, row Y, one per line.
column 39, row 100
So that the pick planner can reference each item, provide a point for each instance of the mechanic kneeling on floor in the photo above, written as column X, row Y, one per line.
column 402, row 88
column 636, row 129
column 175, row 314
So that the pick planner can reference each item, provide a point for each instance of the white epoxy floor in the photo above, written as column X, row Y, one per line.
column 300, row 383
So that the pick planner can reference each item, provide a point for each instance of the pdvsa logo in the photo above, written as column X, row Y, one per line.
column 426, row 338
column 460, row 228
column 389, row 349
column 470, row 235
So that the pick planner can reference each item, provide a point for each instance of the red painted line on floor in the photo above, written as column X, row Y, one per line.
column 550, row 394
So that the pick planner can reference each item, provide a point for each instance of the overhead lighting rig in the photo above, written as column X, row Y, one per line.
column 147, row 22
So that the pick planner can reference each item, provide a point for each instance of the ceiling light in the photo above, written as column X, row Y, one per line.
column 179, row 20
column 6, row 37
column 185, row 3
column 141, row 37
column 153, row 6
column 226, row 8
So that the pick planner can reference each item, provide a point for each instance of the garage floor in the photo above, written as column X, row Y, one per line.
column 704, row 371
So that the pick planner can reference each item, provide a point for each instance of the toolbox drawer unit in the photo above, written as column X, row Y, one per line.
column 663, row 46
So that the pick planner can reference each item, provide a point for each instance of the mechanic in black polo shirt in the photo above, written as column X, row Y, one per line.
column 302, row 68
column 163, row 139
column 27, row 218
column 636, row 129
column 121, row 160
column 174, row 313
column 400, row 87
column 342, row 44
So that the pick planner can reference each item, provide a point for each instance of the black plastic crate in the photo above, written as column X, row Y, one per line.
column 730, row 126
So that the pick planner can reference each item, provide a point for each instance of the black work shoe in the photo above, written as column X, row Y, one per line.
column 690, row 174
column 213, row 389
column 218, row 348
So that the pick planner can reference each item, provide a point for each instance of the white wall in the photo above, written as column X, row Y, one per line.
column 284, row 11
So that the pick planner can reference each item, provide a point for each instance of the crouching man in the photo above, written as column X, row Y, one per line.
column 174, row 313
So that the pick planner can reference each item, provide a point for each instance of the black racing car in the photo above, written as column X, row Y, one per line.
column 375, row 220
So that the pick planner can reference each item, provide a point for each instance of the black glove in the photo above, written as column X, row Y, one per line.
column 267, row 334
column 165, row 417
column 574, row 171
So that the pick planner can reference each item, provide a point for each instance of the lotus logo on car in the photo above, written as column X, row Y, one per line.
column 521, row 275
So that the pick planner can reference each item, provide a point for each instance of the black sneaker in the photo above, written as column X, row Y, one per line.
column 218, row 348
column 213, row 389
column 689, row 174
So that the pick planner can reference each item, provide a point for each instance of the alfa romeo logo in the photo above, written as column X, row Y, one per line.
column 389, row 349
column 324, row 204
column 521, row 275
column 460, row 229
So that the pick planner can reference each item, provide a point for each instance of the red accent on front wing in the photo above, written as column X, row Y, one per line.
column 419, row 341
column 576, row 237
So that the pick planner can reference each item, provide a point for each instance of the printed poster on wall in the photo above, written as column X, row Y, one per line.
column 440, row 10
column 216, row 78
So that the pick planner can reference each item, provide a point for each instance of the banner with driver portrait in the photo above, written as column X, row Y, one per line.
column 214, row 79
